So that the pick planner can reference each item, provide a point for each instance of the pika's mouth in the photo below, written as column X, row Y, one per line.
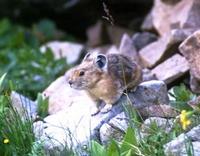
column 78, row 87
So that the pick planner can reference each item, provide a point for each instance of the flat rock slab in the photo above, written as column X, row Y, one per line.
column 171, row 69
column 164, row 47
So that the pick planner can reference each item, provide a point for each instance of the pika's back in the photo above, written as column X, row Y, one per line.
column 121, row 67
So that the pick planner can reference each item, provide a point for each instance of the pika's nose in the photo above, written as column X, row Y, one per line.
column 70, row 82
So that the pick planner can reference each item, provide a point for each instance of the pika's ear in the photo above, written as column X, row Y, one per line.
column 87, row 56
column 101, row 61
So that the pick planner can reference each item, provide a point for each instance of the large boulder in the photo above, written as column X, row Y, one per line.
column 73, row 124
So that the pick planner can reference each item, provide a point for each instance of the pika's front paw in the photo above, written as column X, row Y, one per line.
column 94, row 111
column 106, row 108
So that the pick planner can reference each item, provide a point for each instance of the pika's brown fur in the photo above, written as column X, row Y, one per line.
column 105, row 77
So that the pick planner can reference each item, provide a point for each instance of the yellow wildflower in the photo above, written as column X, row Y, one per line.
column 185, row 122
column 6, row 141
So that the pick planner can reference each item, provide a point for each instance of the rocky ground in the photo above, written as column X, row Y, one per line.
column 168, row 50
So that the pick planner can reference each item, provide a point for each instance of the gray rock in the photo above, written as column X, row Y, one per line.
column 140, row 40
column 147, row 75
column 193, row 134
column 177, row 146
column 120, row 122
column 24, row 106
column 70, row 51
column 195, row 147
column 191, row 51
column 194, row 84
column 171, row 69
column 115, row 128
column 165, row 111
column 174, row 147
column 127, row 48
column 149, row 93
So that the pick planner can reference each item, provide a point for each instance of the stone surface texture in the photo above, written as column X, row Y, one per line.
column 177, row 147
column 191, row 51
column 69, row 50
column 171, row 69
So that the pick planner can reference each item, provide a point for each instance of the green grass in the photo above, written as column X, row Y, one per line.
column 29, row 72
column 17, row 131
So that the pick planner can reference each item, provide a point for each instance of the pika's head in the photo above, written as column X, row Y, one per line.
column 89, row 72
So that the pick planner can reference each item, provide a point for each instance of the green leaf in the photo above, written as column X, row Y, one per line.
column 1, row 80
column 113, row 149
column 129, row 153
column 182, row 95
column 97, row 149
column 129, row 141
column 43, row 105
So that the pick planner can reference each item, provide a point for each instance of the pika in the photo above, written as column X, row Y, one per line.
column 105, row 77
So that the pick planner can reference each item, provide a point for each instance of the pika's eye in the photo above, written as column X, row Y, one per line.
column 81, row 73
